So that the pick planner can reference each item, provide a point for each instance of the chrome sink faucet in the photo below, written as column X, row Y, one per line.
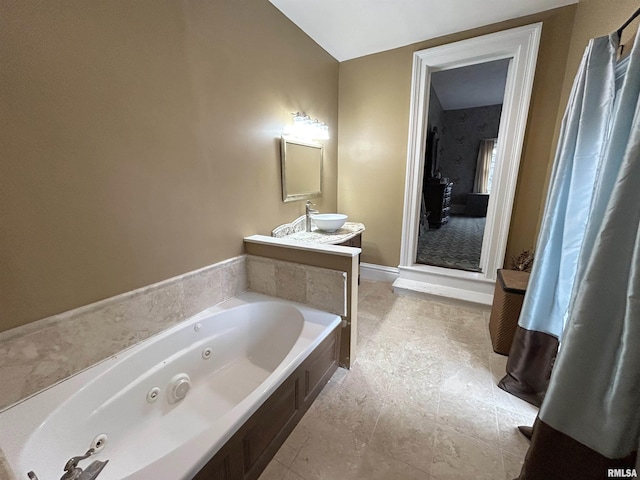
column 309, row 212
column 73, row 472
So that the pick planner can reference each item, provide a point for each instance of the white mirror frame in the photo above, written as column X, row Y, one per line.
column 521, row 45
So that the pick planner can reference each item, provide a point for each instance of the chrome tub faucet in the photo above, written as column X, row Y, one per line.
column 73, row 472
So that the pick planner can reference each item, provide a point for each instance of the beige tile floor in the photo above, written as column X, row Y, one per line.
column 419, row 403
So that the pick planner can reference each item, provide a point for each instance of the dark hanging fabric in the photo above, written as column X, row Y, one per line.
column 588, row 427
column 562, row 233
column 556, row 456
column 526, row 430
column 529, row 365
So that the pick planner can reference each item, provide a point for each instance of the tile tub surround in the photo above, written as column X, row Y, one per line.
column 326, row 256
column 321, row 288
column 40, row 354
column 420, row 402
column 5, row 472
column 297, row 231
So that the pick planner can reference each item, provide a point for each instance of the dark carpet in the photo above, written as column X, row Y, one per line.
column 454, row 245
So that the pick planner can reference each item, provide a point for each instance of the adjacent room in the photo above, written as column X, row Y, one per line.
column 331, row 239
column 464, row 119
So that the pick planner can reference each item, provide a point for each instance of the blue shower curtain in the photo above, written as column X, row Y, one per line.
column 579, row 157
column 587, row 291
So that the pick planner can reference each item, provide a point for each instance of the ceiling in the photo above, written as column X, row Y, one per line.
column 472, row 86
column 353, row 28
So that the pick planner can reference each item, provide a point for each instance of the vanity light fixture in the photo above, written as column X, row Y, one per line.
column 305, row 127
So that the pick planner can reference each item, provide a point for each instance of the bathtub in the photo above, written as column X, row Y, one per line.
column 235, row 355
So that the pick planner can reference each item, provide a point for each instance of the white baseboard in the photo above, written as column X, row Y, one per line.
column 378, row 273
column 441, row 292
column 446, row 283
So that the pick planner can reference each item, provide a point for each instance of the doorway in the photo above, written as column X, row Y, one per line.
column 465, row 106
column 518, row 46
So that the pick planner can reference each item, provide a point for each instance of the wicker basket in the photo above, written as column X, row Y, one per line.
column 507, row 303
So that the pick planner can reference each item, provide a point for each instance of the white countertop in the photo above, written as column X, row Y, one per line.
column 296, row 231
column 304, row 245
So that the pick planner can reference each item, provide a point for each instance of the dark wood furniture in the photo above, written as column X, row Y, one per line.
column 252, row 447
column 431, row 167
column 353, row 242
column 477, row 204
column 437, row 199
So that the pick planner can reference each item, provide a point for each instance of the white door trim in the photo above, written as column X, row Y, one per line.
column 521, row 45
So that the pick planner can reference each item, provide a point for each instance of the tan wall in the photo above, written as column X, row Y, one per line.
column 139, row 141
column 374, row 119
column 594, row 18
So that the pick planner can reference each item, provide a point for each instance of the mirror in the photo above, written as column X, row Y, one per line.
column 301, row 169
column 464, row 110
column 519, row 46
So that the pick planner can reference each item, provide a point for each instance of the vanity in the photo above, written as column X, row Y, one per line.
column 304, row 243
column 302, row 180
column 349, row 235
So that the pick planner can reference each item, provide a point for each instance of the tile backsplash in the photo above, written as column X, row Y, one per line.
column 42, row 353
column 5, row 470
column 318, row 287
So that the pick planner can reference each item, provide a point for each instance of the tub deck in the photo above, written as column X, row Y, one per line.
column 253, row 357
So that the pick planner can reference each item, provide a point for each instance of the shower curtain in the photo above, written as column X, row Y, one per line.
column 589, row 422
column 569, row 201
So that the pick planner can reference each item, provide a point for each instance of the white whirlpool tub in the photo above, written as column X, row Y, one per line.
column 235, row 355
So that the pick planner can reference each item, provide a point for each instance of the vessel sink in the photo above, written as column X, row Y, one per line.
column 329, row 222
